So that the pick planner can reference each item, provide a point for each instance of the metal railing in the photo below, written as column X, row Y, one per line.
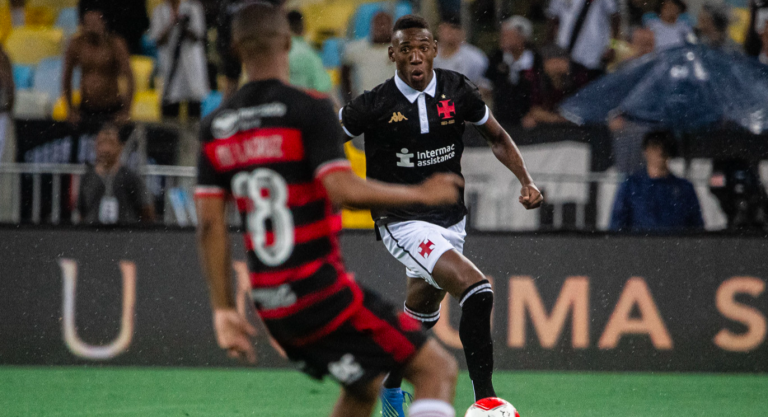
column 173, row 177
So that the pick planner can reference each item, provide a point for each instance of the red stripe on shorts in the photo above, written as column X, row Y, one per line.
column 387, row 337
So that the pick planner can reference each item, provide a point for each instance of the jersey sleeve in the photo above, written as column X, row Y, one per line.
column 354, row 117
column 210, row 183
column 323, row 141
column 477, row 112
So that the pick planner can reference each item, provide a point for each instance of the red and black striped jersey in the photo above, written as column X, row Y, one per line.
column 268, row 147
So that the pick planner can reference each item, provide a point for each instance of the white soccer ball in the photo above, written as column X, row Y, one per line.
column 492, row 407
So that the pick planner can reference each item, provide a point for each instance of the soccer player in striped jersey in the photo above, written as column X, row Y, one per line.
column 278, row 152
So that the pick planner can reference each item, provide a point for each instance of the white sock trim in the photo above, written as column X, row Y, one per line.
column 430, row 317
column 480, row 288
column 430, row 408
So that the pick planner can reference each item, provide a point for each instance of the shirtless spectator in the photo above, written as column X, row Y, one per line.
column 103, row 58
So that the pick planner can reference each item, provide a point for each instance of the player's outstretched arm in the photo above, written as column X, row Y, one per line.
column 347, row 189
column 506, row 151
column 233, row 332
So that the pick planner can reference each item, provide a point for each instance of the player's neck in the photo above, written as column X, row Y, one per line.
column 268, row 68
column 427, row 80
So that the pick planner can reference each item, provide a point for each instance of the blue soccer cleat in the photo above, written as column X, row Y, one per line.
column 392, row 401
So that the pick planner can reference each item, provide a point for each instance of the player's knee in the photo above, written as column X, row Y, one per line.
column 478, row 297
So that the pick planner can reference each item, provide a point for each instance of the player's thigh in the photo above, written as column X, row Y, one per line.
column 433, row 372
column 455, row 273
column 422, row 297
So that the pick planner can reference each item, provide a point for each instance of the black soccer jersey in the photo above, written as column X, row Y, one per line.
column 410, row 135
column 268, row 147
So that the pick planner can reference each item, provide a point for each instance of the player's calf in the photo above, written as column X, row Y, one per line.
column 433, row 372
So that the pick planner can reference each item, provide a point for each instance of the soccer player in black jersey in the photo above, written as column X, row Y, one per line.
column 413, row 125
column 278, row 152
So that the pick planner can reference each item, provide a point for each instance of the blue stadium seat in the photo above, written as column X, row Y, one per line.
column 148, row 47
column 210, row 103
column 23, row 76
column 68, row 21
column 331, row 53
column 48, row 77
column 361, row 21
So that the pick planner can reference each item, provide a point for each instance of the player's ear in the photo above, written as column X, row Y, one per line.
column 435, row 41
column 391, row 53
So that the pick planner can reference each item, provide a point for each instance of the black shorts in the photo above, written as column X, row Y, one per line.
column 373, row 341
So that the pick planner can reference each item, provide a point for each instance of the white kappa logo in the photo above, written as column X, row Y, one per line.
column 405, row 158
column 346, row 370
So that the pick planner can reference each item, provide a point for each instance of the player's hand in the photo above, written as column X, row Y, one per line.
column 530, row 197
column 440, row 189
column 233, row 334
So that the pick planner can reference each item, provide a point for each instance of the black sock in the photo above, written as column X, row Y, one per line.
column 395, row 378
column 475, row 333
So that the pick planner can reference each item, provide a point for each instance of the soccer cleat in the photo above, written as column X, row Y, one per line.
column 392, row 400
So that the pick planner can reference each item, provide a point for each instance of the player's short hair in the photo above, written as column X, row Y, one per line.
column 296, row 22
column 410, row 21
column 662, row 138
column 258, row 28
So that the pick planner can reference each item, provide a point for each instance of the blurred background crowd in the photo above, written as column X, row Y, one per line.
column 633, row 115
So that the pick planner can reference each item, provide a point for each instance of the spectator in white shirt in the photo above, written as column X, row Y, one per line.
column 584, row 29
column 366, row 63
column 455, row 54
column 178, row 28
column 668, row 29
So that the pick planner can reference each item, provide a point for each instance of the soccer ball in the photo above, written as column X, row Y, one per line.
column 492, row 407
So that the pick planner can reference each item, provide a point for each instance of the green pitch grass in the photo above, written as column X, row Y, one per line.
column 149, row 392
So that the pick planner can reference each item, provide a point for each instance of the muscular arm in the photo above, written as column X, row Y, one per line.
column 346, row 83
column 70, row 61
column 505, row 150
column 347, row 189
column 124, row 59
column 6, row 82
column 213, row 247
column 233, row 332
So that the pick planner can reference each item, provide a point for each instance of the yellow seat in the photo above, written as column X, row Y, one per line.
column 40, row 16
column 28, row 45
column 146, row 106
column 356, row 219
column 142, row 67
column 739, row 24
column 335, row 75
column 328, row 19
column 60, row 112
column 54, row 4
column 6, row 23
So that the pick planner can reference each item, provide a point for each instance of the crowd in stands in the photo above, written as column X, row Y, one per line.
column 112, row 62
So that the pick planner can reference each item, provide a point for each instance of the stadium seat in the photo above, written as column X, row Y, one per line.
column 331, row 53
column 48, row 77
column 327, row 19
column 148, row 47
column 60, row 112
column 31, row 104
column 40, row 15
column 142, row 68
column 356, row 219
column 30, row 44
column 6, row 22
column 335, row 75
column 361, row 21
column 23, row 76
column 146, row 106
column 68, row 21
column 210, row 103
